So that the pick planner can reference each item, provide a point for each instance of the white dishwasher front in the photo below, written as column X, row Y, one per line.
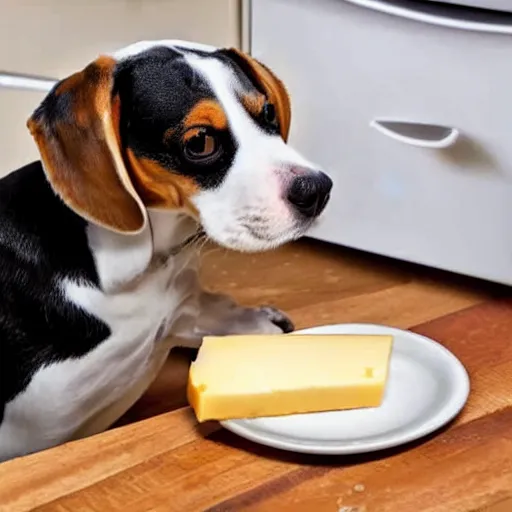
column 413, row 121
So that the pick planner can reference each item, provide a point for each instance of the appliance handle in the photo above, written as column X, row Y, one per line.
column 421, row 135
column 26, row 82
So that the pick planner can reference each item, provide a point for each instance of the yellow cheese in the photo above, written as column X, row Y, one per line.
column 256, row 376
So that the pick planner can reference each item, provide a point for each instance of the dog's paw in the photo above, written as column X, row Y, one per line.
column 278, row 318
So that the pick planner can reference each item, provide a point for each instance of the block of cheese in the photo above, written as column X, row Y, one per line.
column 258, row 375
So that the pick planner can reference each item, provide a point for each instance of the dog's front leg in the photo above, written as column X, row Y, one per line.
column 220, row 315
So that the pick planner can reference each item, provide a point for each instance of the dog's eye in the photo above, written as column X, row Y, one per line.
column 269, row 113
column 200, row 144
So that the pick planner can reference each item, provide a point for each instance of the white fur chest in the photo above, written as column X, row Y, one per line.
column 147, row 295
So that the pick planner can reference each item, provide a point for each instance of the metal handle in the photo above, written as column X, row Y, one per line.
column 25, row 82
column 417, row 134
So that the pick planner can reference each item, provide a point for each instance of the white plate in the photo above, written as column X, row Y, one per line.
column 427, row 387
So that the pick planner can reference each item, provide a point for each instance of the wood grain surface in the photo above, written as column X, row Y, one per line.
column 158, row 459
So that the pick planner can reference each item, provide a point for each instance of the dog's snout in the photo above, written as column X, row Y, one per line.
column 309, row 193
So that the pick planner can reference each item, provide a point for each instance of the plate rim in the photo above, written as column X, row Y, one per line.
column 449, row 412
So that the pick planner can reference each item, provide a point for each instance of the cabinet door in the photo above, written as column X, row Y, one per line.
column 17, row 147
column 57, row 37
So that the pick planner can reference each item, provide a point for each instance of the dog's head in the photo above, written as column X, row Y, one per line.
column 174, row 126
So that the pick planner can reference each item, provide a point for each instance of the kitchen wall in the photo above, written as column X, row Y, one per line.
column 54, row 38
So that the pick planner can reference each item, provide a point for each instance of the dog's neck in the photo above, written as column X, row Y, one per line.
column 170, row 231
column 122, row 259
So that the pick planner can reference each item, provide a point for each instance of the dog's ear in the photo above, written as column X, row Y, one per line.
column 77, row 131
column 268, row 83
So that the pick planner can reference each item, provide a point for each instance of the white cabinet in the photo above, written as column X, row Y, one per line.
column 416, row 193
column 58, row 37
column 17, row 147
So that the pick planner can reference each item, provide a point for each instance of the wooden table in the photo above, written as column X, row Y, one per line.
column 169, row 463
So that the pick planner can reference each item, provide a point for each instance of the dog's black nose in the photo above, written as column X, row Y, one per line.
column 309, row 193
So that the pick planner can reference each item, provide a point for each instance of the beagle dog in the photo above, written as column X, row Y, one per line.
column 144, row 153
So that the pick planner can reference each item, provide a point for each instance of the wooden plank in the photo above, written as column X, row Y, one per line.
column 399, row 306
column 40, row 478
column 301, row 275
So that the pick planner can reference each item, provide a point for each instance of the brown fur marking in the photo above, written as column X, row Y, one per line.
column 206, row 113
column 274, row 89
column 254, row 103
column 81, row 153
column 159, row 187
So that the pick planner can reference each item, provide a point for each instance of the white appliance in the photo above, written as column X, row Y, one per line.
column 497, row 5
column 408, row 105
